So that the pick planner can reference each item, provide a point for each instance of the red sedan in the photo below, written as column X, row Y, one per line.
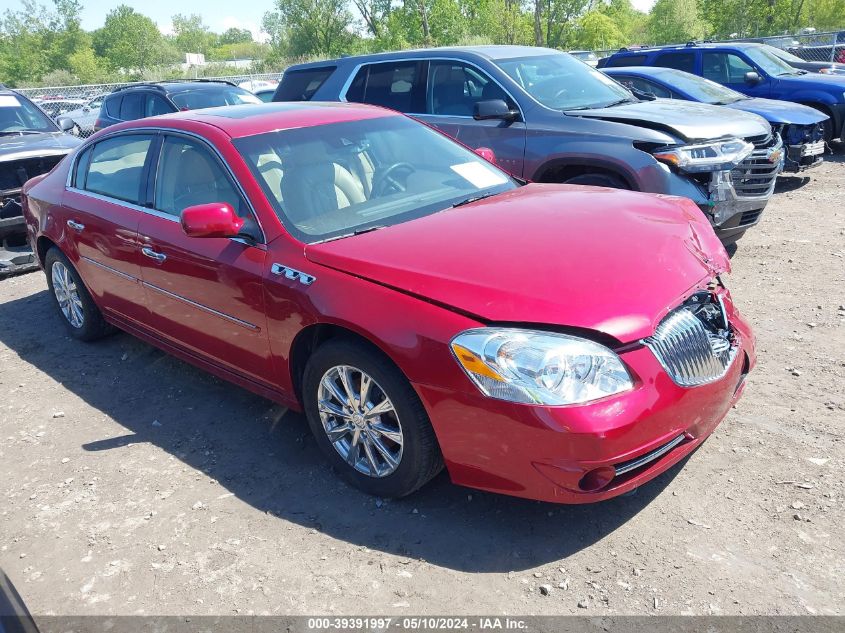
column 421, row 306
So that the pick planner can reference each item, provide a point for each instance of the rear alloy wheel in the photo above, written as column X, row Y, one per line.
column 368, row 420
column 78, row 310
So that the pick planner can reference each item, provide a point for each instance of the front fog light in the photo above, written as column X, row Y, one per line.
column 534, row 367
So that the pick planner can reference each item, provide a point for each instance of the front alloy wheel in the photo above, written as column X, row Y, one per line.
column 368, row 420
column 360, row 421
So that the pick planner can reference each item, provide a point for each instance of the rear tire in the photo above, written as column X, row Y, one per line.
column 76, row 308
column 360, row 443
column 598, row 180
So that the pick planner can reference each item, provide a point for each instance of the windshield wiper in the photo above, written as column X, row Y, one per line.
column 367, row 229
column 471, row 199
column 20, row 132
column 616, row 103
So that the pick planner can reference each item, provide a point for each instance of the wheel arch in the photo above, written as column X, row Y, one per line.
column 310, row 338
column 561, row 169
column 42, row 245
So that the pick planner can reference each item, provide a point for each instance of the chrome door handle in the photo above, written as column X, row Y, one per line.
column 159, row 257
column 76, row 226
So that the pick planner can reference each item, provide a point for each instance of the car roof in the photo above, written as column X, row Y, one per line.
column 489, row 52
column 690, row 46
column 173, row 87
column 238, row 121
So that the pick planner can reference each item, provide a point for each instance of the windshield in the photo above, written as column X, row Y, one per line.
column 561, row 82
column 769, row 62
column 212, row 97
column 20, row 115
column 701, row 89
column 784, row 55
column 334, row 180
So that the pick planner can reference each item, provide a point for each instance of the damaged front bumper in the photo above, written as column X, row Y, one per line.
column 15, row 254
column 737, row 197
column 804, row 156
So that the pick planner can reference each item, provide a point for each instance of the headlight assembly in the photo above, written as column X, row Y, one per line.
column 720, row 155
column 533, row 367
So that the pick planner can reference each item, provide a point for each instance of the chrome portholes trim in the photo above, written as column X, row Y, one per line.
column 67, row 295
column 360, row 421
column 204, row 308
column 291, row 273
column 114, row 271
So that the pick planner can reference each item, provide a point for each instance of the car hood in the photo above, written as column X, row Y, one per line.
column 35, row 145
column 584, row 257
column 691, row 121
column 775, row 111
column 833, row 83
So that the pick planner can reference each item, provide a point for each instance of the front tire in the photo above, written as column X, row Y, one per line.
column 368, row 420
column 75, row 306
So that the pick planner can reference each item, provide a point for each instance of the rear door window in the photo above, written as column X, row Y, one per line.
column 395, row 85
column 679, row 60
column 300, row 85
column 116, row 167
column 132, row 106
column 113, row 106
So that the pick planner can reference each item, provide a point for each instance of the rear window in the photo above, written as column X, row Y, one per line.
column 618, row 61
column 679, row 61
column 300, row 85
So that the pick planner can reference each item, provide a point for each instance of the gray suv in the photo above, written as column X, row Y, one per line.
column 549, row 117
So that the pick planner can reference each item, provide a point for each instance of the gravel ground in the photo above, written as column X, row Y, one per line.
column 132, row 483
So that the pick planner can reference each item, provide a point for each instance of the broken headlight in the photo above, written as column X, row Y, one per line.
column 716, row 156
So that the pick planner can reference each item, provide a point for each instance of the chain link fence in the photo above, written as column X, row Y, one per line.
column 82, row 103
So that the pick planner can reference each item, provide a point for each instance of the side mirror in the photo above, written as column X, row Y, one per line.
column 214, row 219
column 487, row 154
column 492, row 109
column 65, row 124
column 752, row 78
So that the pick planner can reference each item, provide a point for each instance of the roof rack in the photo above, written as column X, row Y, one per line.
column 156, row 85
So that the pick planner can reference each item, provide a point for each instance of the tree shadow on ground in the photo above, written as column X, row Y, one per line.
column 267, row 458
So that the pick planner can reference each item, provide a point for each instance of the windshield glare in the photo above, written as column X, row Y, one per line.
column 784, row 55
column 769, row 62
column 212, row 98
column 701, row 89
column 332, row 180
column 19, row 115
column 561, row 82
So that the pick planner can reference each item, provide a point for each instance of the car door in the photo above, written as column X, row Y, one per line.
column 102, row 207
column 452, row 90
column 729, row 69
column 402, row 86
column 205, row 295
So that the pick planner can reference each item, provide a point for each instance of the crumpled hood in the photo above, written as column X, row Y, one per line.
column 691, row 121
column 775, row 111
column 585, row 257
column 34, row 145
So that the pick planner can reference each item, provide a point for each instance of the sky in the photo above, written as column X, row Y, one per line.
column 218, row 15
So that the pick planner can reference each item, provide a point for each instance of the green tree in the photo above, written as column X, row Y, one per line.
column 190, row 35
column 235, row 35
column 597, row 30
column 131, row 41
column 311, row 27
column 676, row 21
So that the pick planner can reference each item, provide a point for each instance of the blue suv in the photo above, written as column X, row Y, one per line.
column 751, row 69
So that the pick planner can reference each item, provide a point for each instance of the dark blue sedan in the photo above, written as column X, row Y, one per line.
column 800, row 126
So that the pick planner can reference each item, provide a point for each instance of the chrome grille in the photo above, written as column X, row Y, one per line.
column 690, row 353
column 755, row 176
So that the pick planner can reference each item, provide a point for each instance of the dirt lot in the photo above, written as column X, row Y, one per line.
column 132, row 483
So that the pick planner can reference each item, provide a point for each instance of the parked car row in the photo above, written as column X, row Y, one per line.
column 508, row 313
